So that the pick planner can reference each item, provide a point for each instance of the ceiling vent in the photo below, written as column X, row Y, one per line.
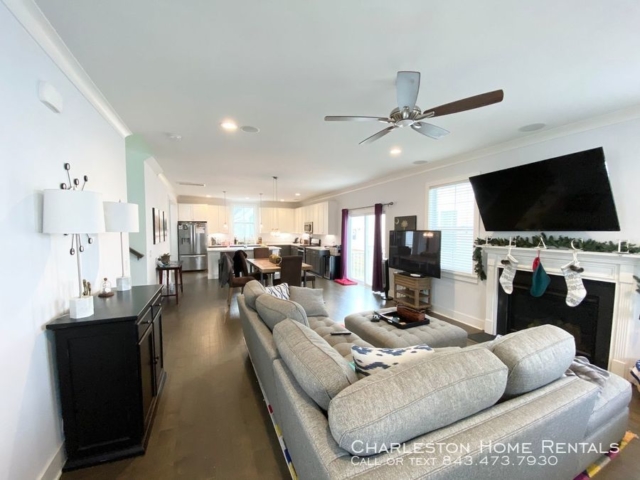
column 191, row 184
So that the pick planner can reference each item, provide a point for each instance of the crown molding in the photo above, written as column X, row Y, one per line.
column 38, row 26
column 614, row 118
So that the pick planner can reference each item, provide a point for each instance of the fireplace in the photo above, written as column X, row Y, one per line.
column 590, row 322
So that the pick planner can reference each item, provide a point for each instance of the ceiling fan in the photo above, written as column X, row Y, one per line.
column 408, row 114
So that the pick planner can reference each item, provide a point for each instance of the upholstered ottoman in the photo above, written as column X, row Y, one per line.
column 380, row 334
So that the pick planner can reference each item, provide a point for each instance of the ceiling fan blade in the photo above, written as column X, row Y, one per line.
column 429, row 130
column 333, row 118
column 469, row 103
column 407, row 86
column 378, row 135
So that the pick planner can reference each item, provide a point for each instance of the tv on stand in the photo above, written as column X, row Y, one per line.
column 415, row 252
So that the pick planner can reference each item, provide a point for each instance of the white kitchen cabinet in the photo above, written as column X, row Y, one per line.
column 298, row 222
column 286, row 220
column 200, row 212
column 185, row 212
column 269, row 219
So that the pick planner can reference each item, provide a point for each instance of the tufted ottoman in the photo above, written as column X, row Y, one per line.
column 380, row 334
column 323, row 326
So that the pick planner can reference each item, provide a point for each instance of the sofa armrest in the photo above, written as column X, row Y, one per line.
column 305, row 428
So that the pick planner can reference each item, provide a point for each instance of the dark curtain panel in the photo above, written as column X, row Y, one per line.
column 343, row 242
column 376, row 281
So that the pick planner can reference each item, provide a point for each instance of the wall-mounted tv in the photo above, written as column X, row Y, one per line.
column 569, row 193
column 415, row 252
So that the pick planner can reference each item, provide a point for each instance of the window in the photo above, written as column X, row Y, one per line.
column 452, row 210
column 244, row 224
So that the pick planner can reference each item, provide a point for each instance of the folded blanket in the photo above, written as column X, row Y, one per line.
column 580, row 367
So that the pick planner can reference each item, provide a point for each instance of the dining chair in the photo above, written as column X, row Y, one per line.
column 235, row 282
column 261, row 252
column 290, row 271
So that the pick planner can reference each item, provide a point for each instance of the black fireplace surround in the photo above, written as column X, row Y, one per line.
column 590, row 322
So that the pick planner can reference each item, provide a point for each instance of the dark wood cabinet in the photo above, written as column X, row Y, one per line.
column 110, row 373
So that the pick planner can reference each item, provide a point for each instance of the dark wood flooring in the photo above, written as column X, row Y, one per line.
column 211, row 421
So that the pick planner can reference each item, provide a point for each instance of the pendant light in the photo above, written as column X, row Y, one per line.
column 275, row 231
column 260, row 213
column 225, row 226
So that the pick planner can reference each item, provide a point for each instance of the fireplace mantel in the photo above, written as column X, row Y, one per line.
column 605, row 267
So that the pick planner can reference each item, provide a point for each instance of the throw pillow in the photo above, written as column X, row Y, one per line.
column 273, row 310
column 370, row 360
column 311, row 300
column 252, row 291
column 319, row 369
column 279, row 291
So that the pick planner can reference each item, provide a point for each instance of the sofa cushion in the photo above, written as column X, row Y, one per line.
column 252, row 291
column 279, row 291
column 323, row 326
column 273, row 310
column 369, row 360
column 535, row 357
column 410, row 400
column 311, row 300
column 319, row 369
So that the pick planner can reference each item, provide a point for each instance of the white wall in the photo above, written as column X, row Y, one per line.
column 39, row 275
column 464, row 300
column 157, row 196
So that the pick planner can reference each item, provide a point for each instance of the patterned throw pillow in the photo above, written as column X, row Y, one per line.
column 370, row 360
column 279, row 291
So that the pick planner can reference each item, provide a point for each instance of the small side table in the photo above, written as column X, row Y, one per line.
column 176, row 267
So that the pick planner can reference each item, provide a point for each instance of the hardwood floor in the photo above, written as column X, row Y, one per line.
column 211, row 421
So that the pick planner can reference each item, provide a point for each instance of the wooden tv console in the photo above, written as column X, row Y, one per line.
column 414, row 292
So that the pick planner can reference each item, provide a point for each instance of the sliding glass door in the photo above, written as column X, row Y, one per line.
column 361, row 231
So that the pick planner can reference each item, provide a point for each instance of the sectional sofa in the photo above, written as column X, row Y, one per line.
column 501, row 410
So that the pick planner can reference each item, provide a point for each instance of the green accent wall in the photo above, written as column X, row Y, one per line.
column 137, row 151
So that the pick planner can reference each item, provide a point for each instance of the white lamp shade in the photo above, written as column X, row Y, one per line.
column 121, row 217
column 72, row 211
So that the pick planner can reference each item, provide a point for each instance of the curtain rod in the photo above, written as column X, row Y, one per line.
column 371, row 206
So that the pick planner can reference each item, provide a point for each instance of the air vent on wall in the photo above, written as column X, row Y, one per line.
column 191, row 184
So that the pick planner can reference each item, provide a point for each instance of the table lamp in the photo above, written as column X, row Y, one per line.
column 74, row 212
column 123, row 218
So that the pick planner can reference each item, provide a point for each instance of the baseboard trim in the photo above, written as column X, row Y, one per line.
column 54, row 469
column 459, row 317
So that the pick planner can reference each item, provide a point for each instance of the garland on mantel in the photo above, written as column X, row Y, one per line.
column 551, row 242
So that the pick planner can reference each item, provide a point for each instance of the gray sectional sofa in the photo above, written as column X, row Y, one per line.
column 501, row 410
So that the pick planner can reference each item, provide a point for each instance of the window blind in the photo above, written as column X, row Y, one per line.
column 452, row 211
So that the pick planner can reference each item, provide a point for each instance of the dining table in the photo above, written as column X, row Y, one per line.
column 265, row 266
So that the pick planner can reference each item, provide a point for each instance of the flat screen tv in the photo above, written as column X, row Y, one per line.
column 569, row 193
column 415, row 252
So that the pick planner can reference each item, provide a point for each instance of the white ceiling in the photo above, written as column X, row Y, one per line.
column 182, row 67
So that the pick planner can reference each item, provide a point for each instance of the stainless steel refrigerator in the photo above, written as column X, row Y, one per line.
column 192, row 245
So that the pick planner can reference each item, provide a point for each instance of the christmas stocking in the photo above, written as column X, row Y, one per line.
column 575, row 289
column 540, row 280
column 508, row 274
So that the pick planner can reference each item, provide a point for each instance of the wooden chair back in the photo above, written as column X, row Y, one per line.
column 291, row 270
column 261, row 252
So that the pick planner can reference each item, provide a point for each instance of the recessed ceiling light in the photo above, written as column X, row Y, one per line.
column 246, row 198
column 174, row 136
column 395, row 151
column 208, row 196
column 249, row 129
column 229, row 125
column 532, row 127
column 282, row 199
column 297, row 194
column 419, row 162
